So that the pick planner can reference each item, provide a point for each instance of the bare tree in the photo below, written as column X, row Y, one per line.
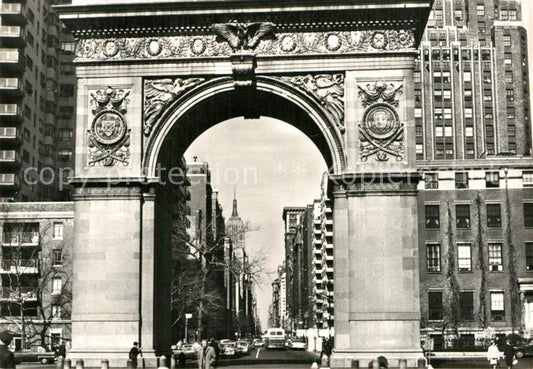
column 35, row 299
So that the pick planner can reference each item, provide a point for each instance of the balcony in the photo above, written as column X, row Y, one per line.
column 9, row 158
column 9, row 134
column 10, row 113
column 20, row 239
column 19, row 266
column 12, row 13
column 18, row 294
column 11, row 36
column 11, row 87
column 329, row 257
column 11, row 60
column 9, row 180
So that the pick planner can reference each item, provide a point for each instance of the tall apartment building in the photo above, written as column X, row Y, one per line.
column 31, row 93
column 36, row 272
column 473, row 144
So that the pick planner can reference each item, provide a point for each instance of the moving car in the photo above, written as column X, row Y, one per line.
column 244, row 347
column 258, row 342
column 524, row 349
column 275, row 338
column 297, row 344
column 34, row 355
column 187, row 349
column 228, row 349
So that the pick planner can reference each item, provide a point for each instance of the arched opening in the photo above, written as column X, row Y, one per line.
column 182, row 124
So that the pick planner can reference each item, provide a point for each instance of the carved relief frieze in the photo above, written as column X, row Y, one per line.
column 381, row 132
column 160, row 93
column 231, row 37
column 108, row 137
column 327, row 89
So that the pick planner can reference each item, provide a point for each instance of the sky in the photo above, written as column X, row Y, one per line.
column 271, row 165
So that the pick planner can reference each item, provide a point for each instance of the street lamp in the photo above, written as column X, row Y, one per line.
column 187, row 317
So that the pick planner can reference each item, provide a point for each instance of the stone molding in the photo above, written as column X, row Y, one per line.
column 108, row 136
column 209, row 45
column 105, row 191
column 377, row 183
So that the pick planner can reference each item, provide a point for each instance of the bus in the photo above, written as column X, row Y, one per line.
column 275, row 338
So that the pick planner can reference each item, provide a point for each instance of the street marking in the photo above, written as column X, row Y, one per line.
column 258, row 351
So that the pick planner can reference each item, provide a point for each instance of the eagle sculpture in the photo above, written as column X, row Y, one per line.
column 243, row 36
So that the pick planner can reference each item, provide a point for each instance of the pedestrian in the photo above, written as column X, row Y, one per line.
column 61, row 351
column 493, row 355
column 210, row 356
column 134, row 352
column 201, row 355
column 324, row 348
column 215, row 345
column 509, row 354
column 7, row 359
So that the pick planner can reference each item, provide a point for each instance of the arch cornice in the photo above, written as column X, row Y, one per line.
column 277, row 85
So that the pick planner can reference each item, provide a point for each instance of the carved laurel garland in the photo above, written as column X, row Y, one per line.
column 381, row 133
column 288, row 43
column 108, row 137
column 327, row 89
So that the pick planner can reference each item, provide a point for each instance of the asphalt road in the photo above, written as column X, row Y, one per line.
column 284, row 359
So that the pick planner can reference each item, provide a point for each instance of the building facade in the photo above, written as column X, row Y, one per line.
column 36, row 273
column 36, row 132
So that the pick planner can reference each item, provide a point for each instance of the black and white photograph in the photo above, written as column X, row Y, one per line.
column 266, row 184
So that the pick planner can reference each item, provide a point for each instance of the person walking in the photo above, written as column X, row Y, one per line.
column 509, row 354
column 210, row 356
column 134, row 352
column 493, row 355
column 201, row 355
column 7, row 359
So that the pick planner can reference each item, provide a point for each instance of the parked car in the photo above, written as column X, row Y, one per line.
column 228, row 349
column 34, row 355
column 524, row 349
column 297, row 344
column 187, row 349
column 244, row 347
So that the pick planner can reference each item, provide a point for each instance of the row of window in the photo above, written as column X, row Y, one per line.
column 462, row 216
column 466, row 306
column 492, row 179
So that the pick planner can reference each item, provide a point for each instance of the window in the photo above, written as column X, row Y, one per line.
column 58, row 231
column 529, row 256
column 464, row 252
column 432, row 216
column 509, row 77
column 492, row 179
column 467, row 76
column 56, row 311
column 66, row 90
column 65, row 134
column 495, row 257
column 431, row 180
column 461, row 180
column 57, row 257
column 506, row 40
column 494, row 216
column 507, row 60
column 57, row 285
column 468, row 112
column 447, row 94
column 510, row 112
column 512, row 14
column 528, row 215
column 466, row 306
column 433, row 258
column 480, row 10
column 64, row 155
column 469, row 131
column 418, row 112
column 462, row 213
column 504, row 14
column 458, row 14
column 527, row 178
column 435, row 305
column 509, row 93
column 497, row 306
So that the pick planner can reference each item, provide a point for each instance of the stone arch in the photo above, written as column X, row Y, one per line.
column 217, row 100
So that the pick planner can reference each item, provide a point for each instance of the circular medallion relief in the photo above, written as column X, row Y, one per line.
column 110, row 48
column 154, row 47
column 288, row 44
column 109, row 127
column 198, row 46
column 381, row 121
column 333, row 42
column 379, row 40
